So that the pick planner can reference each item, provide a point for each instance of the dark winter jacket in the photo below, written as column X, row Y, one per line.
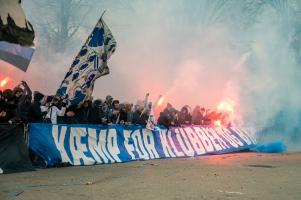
column 35, row 113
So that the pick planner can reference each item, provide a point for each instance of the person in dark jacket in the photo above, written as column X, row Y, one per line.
column 2, row 108
column 4, row 112
column 140, row 116
column 24, row 102
column 35, row 112
column 96, row 112
column 129, row 113
column 168, row 117
column 10, row 106
column 184, row 117
column 198, row 115
column 144, row 117
column 83, row 113
column 109, row 101
column 115, row 113
column 69, row 117
column 122, row 114
column 105, row 114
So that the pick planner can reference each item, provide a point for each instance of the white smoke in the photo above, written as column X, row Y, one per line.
column 196, row 53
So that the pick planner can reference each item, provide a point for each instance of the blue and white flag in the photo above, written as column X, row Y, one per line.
column 89, row 64
column 16, row 35
column 151, row 122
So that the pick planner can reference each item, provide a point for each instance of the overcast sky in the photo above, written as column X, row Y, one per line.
column 181, row 49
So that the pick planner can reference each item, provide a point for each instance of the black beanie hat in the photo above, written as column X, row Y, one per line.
column 38, row 96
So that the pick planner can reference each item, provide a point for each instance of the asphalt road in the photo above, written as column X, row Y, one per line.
column 228, row 176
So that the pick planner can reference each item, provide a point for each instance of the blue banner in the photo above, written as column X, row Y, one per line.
column 97, row 144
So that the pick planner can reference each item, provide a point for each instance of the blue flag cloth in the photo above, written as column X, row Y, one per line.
column 16, row 35
column 89, row 64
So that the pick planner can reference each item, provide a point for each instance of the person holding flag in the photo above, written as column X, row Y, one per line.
column 88, row 65
column 152, row 122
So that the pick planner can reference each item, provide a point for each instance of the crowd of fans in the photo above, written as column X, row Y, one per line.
column 17, row 105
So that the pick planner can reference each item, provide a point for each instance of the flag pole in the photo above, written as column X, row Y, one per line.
column 103, row 14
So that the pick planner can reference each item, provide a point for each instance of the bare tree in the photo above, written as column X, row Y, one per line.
column 58, row 21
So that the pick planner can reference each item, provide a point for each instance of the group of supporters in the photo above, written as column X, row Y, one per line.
column 17, row 105
column 199, row 116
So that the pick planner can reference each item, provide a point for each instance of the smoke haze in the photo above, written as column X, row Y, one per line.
column 193, row 52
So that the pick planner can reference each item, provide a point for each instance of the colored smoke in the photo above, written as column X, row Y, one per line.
column 271, row 147
column 192, row 52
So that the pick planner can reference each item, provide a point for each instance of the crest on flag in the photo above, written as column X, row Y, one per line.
column 89, row 64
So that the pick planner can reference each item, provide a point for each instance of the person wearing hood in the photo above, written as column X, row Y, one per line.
column 129, row 112
column 105, row 114
column 8, row 97
column 198, row 115
column 115, row 112
column 184, row 116
column 70, row 115
column 35, row 112
column 96, row 112
column 109, row 100
column 168, row 117
column 140, row 117
column 24, row 102
column 4, row 112
column 123, row 115
column 83, row 113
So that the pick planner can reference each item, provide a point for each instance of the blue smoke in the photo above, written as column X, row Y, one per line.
column 271, row 147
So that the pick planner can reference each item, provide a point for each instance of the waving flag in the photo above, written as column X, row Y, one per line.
column 151, row 122
column 16, row 35
column 89, row 64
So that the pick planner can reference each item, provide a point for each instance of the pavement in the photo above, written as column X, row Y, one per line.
column 228, row 176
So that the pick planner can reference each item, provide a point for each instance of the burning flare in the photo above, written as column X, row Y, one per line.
column 225, row 112
column 4, row 82
column 217, row 123
column 161, row 100
column 226, row 106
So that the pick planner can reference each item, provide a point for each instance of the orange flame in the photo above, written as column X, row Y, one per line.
column 4, row 82
column 161, row 100
column 217, row 123
column 226, row 106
